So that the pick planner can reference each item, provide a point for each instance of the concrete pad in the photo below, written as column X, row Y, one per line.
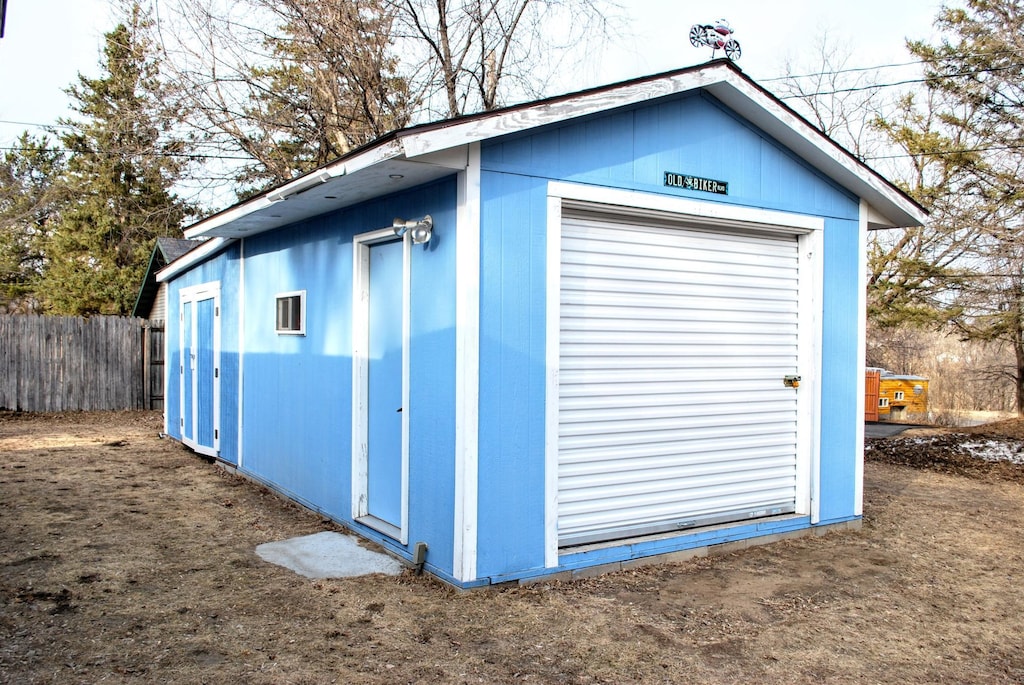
column 328, row 555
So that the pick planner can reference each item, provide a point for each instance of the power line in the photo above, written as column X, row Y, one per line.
column 837, row 91
column 32, row 123
column 879, row 86
column 189, row 155
column 891, row 65
column 992, row 148
column 837, row 72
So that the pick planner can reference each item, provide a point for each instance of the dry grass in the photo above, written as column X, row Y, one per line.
column 125, row 558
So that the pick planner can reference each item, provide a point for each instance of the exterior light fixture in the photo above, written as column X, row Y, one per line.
column 420, row 231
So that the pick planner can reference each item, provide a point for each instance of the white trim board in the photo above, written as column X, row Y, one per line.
column 862, row 352
column 195, row 294
column 467, row 368
column 241, row 350
column 192, row 257
column 360, row 381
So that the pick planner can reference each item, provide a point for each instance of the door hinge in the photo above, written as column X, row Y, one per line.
column 216, row 311
column 216, row 434
column 216, row 373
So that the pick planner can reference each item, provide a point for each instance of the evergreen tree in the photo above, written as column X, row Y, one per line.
column 331, row 88
column 292, row 84
column 123, row 162
column 30, row 201
column 969, row 147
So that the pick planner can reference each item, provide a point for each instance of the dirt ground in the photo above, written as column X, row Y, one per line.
column 126, row 558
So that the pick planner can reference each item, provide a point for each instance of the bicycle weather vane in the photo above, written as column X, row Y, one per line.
column 717, row 36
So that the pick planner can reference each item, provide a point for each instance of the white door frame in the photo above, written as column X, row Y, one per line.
column 808, row 229
column 195, row 294
column 360, row 380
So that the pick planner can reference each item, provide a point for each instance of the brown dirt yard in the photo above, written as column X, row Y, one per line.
column 125, row 558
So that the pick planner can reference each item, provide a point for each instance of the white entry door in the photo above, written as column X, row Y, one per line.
column 199, row 371
column 380, row 449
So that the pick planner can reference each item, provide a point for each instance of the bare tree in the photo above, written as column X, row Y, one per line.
column 841, row 101
column 286, row 84
column 475, row 55
column 290, row 84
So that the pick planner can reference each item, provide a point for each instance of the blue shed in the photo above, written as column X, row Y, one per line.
column 616, row 326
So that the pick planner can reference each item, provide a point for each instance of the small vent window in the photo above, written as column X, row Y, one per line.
column 883, row 402
column 291, row 313
column 897, row 396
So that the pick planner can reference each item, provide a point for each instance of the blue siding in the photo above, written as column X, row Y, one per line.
column 223, row 267
column 512, row 374
column 690, row 134
column 298, row 389
column 840, row 371
column 632, row 149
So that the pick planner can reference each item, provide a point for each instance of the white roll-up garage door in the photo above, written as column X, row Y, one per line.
column 674, row 343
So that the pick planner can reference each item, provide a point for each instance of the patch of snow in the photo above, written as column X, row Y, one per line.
column 994, row 450
column 989, row 449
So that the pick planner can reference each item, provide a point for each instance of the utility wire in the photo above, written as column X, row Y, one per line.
column 925, row 79
column 891, row 65
column 32, row 123
column 852, row 89
column 190, row 155
column 993, row 148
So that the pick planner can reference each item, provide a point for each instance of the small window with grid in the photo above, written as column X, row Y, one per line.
column 291, row 314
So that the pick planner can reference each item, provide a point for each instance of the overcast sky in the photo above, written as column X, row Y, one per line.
column 48, row 42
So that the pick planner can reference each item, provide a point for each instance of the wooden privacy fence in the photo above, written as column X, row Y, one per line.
column 61, row 363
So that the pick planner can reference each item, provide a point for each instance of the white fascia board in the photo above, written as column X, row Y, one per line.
column 191, row 257
column 265, row 200
column 362, row 160
column 199, row 230
column 888, row 203
column 369, row 157
column 728, row 86
column 520, row 119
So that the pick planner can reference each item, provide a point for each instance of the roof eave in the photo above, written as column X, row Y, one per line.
column 422, row 153
column 203, row 251
column 892, row 207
